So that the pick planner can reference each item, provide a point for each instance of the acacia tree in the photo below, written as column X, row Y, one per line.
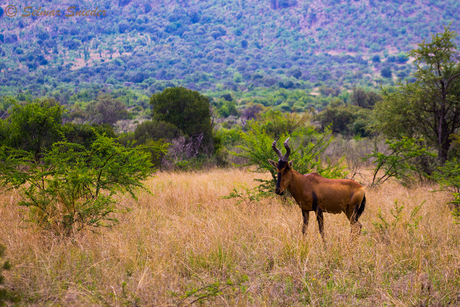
column 429, row 107
column 75, row 187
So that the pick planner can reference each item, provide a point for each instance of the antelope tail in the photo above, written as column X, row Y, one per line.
column 359, row 210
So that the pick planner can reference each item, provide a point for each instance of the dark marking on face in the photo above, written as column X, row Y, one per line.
column 281, row 165
column 314, row 205
column 278, row 181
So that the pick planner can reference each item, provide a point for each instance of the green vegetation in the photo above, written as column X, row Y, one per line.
column 448, row 177
column 430, row 106
column 187, row 110
column 67, row 186
column 211, row 292
column 33, row 127
column 204, row 129
column 307, row 146
column 74, row 187
column 155, row 131
column 106, row 110
column 346, row 119
column 400, row 162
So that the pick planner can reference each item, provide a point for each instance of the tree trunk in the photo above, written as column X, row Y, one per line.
column 443, row 132
column 444, row 146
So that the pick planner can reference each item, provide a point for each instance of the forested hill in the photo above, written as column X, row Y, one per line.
column 204, row 44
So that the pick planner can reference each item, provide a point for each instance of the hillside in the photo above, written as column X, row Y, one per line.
column 205, row 45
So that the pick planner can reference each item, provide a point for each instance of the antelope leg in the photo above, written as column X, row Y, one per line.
column 354, row 223
column 306, row 215
column 319, row 217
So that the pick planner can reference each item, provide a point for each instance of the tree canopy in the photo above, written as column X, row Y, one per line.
column 429, row 107
column 188, row 110
column 33, row 127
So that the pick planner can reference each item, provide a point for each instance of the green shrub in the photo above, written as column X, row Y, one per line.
column 399, row 162
column 228, row 108
column 229, row 137
column 346, row 119
column 107, row 110
column 276, row 123
column 448, row 177
column 306, row 148
column 74, row 187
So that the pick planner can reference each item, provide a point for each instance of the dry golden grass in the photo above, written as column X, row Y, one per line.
column 184, row 238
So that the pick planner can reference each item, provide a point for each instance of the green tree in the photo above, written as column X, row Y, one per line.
column 364, row 99
column 155, row 131
column 372, row 99
column 85, row 134
column 32, row 127
column 275, row 123
column 346, row 119
column 359, row 97
column 448, row 177
column 107, row 110
column 430, row 106
column 5, row 103
column 188, row 110
column 74, row 187
column 120, row 49
column 227, row 108
column 386, row 72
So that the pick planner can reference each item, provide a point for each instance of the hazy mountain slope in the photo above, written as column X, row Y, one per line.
column 202, row 43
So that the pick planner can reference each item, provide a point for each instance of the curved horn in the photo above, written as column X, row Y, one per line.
column 288, row 150
column 278, row 152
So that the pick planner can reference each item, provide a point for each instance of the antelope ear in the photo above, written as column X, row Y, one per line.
column 273, row 163
column 291, row 163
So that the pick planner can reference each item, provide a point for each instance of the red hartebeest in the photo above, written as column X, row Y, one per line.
column 313, row 192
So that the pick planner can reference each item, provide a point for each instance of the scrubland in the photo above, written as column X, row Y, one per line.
column 184, row 244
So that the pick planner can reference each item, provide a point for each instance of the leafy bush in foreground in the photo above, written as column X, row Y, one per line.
column 74, row 187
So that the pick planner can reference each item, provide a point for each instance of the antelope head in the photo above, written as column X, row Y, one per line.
column 283, row 168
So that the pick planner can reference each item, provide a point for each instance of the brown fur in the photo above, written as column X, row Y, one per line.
column 313, row 192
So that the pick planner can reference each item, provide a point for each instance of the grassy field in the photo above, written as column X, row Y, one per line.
column 185, row 245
